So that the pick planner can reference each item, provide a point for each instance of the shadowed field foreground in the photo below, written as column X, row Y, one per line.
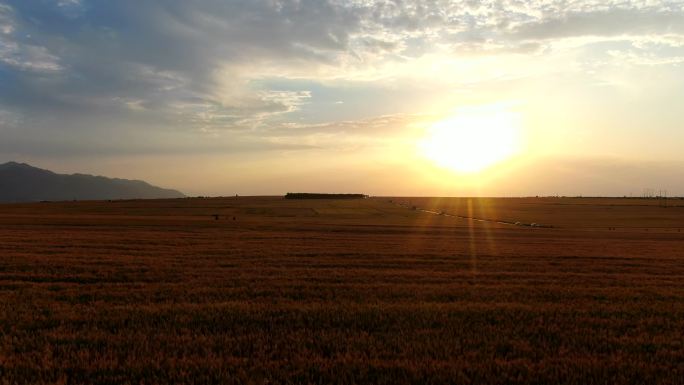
column 341, row 292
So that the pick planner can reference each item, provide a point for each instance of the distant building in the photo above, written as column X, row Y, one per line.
column 324, row 196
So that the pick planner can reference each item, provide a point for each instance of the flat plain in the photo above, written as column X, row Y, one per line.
column 378, row 290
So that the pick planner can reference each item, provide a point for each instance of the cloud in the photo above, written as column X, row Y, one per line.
column 610, row 22
column 28, row 57
column 202, row 66
column 8, row 119
column 6, row 20
column 188, row 61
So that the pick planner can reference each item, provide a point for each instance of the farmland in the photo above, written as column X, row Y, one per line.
column 342, row 291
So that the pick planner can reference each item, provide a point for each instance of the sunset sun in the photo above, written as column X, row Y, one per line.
column 473, row 139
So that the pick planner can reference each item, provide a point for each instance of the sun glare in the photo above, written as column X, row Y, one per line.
column 473, row 139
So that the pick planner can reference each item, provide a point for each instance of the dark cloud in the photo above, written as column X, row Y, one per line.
column 86, row 57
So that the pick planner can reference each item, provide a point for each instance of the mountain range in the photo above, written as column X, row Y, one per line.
column 20, row 182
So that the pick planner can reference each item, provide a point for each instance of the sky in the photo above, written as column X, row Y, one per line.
column 436, row 98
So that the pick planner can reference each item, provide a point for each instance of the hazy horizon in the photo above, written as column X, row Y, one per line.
column 617, row 182
column 437, row 98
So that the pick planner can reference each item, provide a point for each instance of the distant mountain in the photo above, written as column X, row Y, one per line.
column 21, row 182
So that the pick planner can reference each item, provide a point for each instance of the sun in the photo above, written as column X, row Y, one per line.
column 473, row 139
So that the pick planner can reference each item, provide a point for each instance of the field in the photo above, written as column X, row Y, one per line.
column 342, row 291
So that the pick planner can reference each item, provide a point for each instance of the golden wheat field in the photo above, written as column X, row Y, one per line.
column 378, row 290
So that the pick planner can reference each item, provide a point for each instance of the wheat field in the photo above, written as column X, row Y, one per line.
column 342, row 291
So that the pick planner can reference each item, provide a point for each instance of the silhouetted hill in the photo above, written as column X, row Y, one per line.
column 21, row 182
